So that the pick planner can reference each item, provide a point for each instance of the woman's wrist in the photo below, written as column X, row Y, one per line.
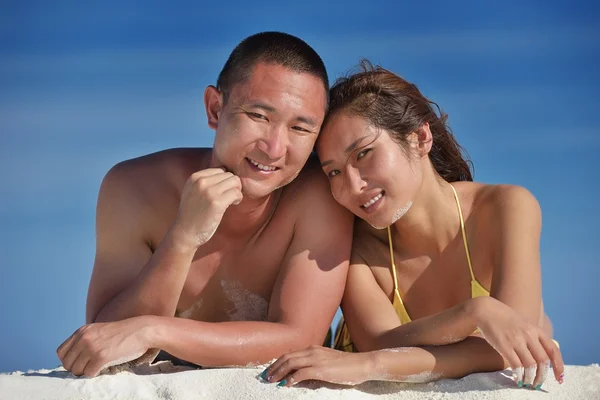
column 372, row 365
column 477, row 309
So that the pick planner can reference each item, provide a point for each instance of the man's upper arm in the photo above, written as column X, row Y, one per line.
column 517, row 275
column 121, row 250
column 311, row 281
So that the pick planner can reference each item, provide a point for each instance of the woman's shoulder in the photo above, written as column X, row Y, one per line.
column 497, row 201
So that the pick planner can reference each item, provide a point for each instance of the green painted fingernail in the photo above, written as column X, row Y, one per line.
column 538, row 387
column 282, row 383
column 263, row 375
column 520, row 383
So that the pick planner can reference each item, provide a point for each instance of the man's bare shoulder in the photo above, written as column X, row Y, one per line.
column 153, row 173
column 367, row 242
column 309, row 195
column 311, row 182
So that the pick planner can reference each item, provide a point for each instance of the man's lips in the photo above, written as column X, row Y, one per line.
column 262, row 167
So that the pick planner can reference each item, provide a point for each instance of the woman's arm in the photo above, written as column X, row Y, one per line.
column 516, row 279
column 409, row 364
column 373, row 323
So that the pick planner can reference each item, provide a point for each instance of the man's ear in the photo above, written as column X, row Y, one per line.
column 213, row 102
column 425, row 139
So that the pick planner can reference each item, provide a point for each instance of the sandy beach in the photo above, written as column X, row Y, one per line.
column 165, row 381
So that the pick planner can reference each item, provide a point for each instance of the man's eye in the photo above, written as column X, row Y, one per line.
column 300, row 129
column 362, row 153
column 257, row 116
column 333, row 173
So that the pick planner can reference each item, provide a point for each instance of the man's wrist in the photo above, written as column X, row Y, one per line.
column 177, row 239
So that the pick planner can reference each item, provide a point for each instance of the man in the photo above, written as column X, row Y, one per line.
column 244, row 244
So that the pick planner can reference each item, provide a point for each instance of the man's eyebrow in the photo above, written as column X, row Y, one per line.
column 349, row 149
column 306, row 120
column 262, row 106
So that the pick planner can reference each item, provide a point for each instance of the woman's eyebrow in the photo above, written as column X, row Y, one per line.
column 349, row 149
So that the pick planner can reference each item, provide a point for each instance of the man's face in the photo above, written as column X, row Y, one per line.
column 267, row 129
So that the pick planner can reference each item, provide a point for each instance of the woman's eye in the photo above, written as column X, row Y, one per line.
column 333, row 173
column 362, row 153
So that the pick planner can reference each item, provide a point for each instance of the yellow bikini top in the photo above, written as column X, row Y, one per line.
column 476, row 289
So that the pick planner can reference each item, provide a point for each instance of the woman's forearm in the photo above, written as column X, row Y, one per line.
column 447, row 327
column 430, row 363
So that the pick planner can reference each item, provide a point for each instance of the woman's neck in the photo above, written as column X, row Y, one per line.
column 431, row 223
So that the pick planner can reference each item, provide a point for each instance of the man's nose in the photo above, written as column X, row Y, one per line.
column 274, row 143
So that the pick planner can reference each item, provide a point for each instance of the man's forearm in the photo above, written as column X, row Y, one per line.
column 224, row 343
column 449, row 326
column 157, row 288
column 415, row 364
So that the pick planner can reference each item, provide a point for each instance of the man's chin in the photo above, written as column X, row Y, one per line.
column 256, row 190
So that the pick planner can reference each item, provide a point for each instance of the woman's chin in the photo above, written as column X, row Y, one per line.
column 376, row 223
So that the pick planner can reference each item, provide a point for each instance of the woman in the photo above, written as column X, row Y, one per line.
column 445, row 272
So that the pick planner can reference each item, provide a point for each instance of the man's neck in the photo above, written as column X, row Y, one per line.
column 250, row 216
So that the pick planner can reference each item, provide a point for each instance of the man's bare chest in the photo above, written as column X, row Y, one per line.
column 233, row 284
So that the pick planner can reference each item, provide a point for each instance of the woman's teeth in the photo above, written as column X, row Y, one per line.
column 373, row 200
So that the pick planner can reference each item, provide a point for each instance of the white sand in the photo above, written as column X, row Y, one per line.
column 164, row 381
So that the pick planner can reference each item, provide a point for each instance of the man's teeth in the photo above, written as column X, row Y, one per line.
column 373, row 200
column 262, row 167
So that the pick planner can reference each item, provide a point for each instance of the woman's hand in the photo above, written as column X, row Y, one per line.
column 320, row 363
column 527, row 349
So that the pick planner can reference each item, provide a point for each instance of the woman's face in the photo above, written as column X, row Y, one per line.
column 369, row 173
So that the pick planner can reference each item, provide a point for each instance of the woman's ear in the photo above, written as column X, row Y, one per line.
column 425, row 139
column 213, row 103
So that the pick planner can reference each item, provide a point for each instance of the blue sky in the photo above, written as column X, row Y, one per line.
column 83, row 87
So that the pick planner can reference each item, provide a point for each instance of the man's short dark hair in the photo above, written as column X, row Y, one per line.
column 271, row 48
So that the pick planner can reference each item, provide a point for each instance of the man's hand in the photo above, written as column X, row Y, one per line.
column 97, row 346
column 205, row 197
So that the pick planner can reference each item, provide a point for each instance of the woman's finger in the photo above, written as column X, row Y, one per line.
column 267, row 373
column 290, row 366
column 515, row 365
column 303, row 374
column 543, row 363
column 555, row 356
column 529, row 364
